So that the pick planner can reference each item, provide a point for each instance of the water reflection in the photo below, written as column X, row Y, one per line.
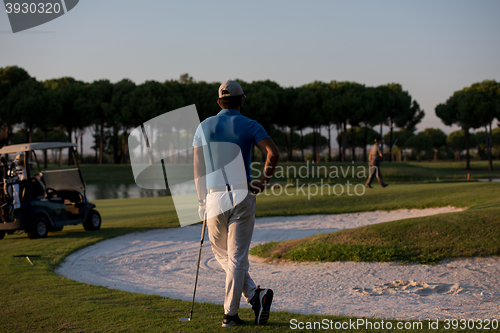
column 123, row 191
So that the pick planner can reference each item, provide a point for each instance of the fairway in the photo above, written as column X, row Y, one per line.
column 28, row 289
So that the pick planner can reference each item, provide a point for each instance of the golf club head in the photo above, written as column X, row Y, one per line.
column 184, row 319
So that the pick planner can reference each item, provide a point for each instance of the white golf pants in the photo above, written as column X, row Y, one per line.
column 230, row 233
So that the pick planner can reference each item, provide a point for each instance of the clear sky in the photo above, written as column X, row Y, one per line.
column 432, row 48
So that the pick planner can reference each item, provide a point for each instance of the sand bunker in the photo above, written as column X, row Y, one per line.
column 407, row 287
column 163, row 262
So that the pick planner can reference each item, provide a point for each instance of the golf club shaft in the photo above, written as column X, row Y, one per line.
column 198, row 268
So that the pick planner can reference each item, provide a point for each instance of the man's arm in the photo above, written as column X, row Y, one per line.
column 199, row 173
column 268, row 148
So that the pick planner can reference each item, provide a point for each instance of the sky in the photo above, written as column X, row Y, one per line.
column 432, row 48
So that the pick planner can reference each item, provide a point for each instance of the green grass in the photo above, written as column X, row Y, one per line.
column 35, row 299
column 474, row 232
column 396, row 196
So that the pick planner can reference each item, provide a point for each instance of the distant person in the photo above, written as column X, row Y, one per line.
column 374, row 164
column 230, row 231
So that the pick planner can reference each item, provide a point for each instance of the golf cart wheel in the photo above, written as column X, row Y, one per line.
column 39, row 229
column 93, row 221
column 2, row 234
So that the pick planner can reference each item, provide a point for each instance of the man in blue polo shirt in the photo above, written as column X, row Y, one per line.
column 227, row 196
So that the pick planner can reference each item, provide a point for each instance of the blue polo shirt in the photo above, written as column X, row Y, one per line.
column 228, row 126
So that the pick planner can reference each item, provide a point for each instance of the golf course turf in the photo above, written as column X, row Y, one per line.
column 425, row 240
column 34, row 298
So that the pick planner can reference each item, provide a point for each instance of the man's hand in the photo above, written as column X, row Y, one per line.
column 257, row 187
column 269, row 149
column 199, row 179
column 202, row 208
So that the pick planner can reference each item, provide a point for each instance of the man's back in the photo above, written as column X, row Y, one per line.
column 228, row 126
column 375, row 153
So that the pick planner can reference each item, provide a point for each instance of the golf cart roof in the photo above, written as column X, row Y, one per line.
column 35, row 146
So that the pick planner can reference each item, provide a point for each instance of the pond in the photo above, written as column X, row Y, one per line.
column 121, row 191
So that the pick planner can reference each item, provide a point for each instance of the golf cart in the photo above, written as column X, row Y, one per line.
column 41, row 201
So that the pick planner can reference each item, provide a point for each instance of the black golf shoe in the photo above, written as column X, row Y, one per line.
column 261, row 305
column 230, row 321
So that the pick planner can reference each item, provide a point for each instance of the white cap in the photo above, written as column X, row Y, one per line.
column 230, row 88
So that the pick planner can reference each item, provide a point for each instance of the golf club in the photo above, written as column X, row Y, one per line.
column 394, row 144
column 197, row 270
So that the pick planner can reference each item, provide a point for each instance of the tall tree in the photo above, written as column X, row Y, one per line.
column 332, row 109
column 123, row 117
column 360, row 134
column 484, row 99
column 404, row 113
column 372, row 116
column 361, row 103
column 420, row 143
column 457, row 142
column 284, row 116
column 346, row 107
column 152, row 99
column 351, row 106
column 438, row 138
column 402, row 137
column 313, row 96
column 99, row 95
column 67, row 90
column 459, row 110
column 262, row 101
column 28, row 101
column 10, row 77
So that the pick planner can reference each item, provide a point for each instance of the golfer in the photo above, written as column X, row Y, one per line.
column 374, row 164
column 231, row 207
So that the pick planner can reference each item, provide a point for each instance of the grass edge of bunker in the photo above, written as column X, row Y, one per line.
column 39, row 201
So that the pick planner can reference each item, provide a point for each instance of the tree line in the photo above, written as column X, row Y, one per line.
column 61, row 109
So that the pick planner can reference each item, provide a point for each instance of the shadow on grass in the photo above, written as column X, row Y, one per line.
column 100, row 234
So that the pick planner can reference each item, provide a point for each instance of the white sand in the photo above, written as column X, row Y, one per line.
column 164, row 261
